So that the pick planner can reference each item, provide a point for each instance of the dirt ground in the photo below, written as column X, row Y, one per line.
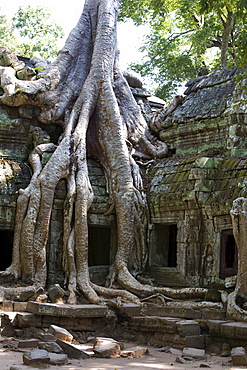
column 156, row 360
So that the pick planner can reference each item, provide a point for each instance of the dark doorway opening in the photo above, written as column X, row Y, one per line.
column 6, row 237
column 164, row 254
column 99, row 245
column 228, row 254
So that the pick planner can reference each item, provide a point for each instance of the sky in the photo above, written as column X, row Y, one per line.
column 66, row 14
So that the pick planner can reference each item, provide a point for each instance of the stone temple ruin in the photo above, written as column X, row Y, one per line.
column 190, row 196
column 190, row 193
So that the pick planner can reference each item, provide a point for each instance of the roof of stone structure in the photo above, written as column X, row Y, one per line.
column 209, row 182
column 205, row 96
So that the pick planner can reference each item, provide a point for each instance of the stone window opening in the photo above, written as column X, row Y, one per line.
column 6, row 237
column 164, row 240
column 99, row 245
column 228, row 254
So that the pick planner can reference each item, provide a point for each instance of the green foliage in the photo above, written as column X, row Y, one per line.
column 6, row 32
column 183, row 35
column 37, row 32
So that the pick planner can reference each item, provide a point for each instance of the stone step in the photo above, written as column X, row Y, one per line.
column 227, row 329
column 71, row 311
column 183, row 312
column 169, row 325
column 170, row 331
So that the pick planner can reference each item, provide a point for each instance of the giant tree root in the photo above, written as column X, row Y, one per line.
column 85, row 89
column 234, row 311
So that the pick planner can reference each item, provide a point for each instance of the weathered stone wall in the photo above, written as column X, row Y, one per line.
column 196, row 187
column 20, row 132
column 196, row 193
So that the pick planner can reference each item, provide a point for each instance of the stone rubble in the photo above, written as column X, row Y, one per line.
column 54, row 351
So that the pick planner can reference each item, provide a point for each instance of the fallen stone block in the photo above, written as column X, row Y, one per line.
column 30, row 294
column 37, row 357
column 72, row 351
column 181, row 360
column 107, row 349
column 135, row 352
column 50, row 347
column 47, row 337
column 58, row 359
column 175, row 351
column 239, row 356
column 19, row 367
column 188, row 358
column 197, row 354
column 60, row 333
column 56, row 293
column 100, row 340
column 27, row 294
column 28, row 343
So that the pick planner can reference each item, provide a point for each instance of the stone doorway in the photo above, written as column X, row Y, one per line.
column 228, row 254
column 99, row 245
column 6, row 237
column 164, row 240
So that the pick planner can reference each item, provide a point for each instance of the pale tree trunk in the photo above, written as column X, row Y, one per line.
column 227, row 29
column 239, row 296
column 85, row 89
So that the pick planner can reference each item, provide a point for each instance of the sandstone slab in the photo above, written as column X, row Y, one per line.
column 60, row 333
column 72, row 351
column 137, row 351
column 28, row 343
column 195, row 353
column 58, row 359
column 52, row 347
column 37, row 357
column 107, row 349
column 101, row 340
column 72, row 311
column 47, row 337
